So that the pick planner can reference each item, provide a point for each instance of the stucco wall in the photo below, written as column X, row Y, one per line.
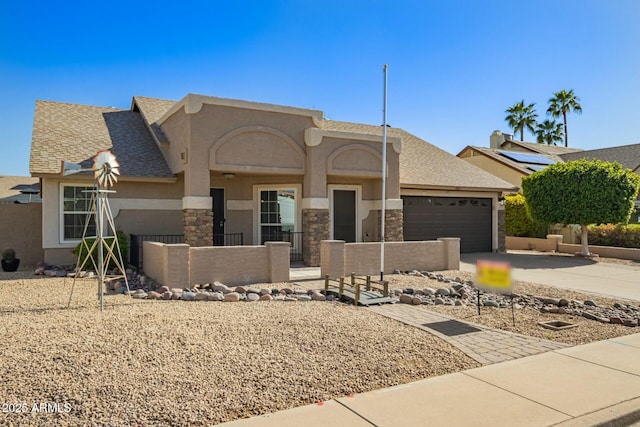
column 341, row 259
column 21, row 229
column 179, row 265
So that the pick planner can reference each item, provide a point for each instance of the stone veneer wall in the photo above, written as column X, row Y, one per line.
column 198, row 227
column 315, row 225
column 393, row 225
column 502, row 231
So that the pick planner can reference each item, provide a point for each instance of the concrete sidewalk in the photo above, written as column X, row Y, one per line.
column 579, row 386
column 568, row 272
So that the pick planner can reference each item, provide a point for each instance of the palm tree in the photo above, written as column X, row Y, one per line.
column 549, row 132
column 564, row 102
column 522, row 116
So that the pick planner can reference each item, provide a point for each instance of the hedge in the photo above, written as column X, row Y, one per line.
column 620, row 235
column 518, row 222
column 80, row 251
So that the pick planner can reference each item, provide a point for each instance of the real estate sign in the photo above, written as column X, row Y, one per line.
column 494, row 276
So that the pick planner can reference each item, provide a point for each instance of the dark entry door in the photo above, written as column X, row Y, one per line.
column 217, row 194
column 344, row 215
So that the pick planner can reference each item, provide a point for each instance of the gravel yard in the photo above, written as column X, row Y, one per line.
column 192, row 363
column 526, row 320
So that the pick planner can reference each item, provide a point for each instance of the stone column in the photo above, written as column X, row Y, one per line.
column 393, row 225
column 502, row 231
column 315, row 225
column 198, row 221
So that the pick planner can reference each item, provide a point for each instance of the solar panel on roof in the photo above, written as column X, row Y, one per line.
column 527, row 158
column 535, row 167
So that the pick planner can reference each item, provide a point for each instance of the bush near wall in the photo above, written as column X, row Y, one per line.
column 80, row 251
column 518, row 222
column 620, row 235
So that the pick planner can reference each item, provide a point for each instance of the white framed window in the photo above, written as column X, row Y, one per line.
column 277, row 214
column 75, row 204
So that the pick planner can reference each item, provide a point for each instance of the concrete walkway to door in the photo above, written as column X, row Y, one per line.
column 565, row 271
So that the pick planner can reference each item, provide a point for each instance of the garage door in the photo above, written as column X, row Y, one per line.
column 427, row 218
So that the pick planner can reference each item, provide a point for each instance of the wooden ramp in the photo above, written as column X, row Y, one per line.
column 361, row 291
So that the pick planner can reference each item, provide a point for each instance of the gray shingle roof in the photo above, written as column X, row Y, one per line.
column 152, row 109
column 424, row 165
column 627, row 155
column 75, row 133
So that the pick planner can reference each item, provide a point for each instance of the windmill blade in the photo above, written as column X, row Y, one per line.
column 106, row 168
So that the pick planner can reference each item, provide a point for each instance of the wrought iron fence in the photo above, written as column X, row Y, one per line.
column 136, row 240
column 294, row 237
column 229, row 239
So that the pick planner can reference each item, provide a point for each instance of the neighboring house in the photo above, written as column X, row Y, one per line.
column 204, row 167
column 627, row 155
column 511, row 160
column 19, row 189
column 21, row 218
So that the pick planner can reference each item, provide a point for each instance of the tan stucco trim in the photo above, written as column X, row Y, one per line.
column 315, row 203
column 290, row 144
column 240, row 205
column 376, row 205
column 409, row 187
column 344, row 172
column 313, row 137
column 193, row 103
column 89, row 177
column 197, row 202
column 144, row 204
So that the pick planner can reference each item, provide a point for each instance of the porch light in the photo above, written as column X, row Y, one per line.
column 228, row 175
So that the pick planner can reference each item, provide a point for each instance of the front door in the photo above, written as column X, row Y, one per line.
column 217, row 194
column 344, row 215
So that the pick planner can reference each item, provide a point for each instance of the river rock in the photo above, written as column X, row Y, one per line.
column 141, row 295
column 163, row 289
column 153, row 295
column 219, row 287
column 439, row 301
column 279, row 298
column 266, row 297
column 490, row 303
column 442, row 292
column 188, row 296
column 429, row 291
column 167, row 295
column 304, row 298
column 202, row 296
column 265, row 291
column 232, row 297
column 590, row 303
column 176, row 295
column 317, row 296
column 253, row 296
column 287, row 291
column 406, row 299
column 458, row 302
column 240, row 289
column 290, row 298
column 416, row 300
column 215, row 296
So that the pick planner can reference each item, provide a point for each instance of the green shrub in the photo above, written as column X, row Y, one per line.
column 80, row 251
column 620, row 235
column 517, row 220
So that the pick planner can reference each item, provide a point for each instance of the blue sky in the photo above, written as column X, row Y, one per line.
column 454, row 66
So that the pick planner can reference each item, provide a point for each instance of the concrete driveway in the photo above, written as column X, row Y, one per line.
column 568, row 272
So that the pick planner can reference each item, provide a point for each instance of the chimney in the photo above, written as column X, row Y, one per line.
column 496, row 139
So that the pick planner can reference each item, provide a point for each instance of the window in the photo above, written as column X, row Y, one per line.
column 76, row 204
column 277, row 214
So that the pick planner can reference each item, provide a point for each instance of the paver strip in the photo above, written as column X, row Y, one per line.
column 483, row 344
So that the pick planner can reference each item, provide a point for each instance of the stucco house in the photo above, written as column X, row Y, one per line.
column 511, row 160
column 205, row 167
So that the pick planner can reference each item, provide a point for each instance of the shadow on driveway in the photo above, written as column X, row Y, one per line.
column 527, row 261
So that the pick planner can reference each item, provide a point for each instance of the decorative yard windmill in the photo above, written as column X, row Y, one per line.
column 105, row 171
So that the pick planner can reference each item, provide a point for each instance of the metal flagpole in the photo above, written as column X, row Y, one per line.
column 384, row 170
